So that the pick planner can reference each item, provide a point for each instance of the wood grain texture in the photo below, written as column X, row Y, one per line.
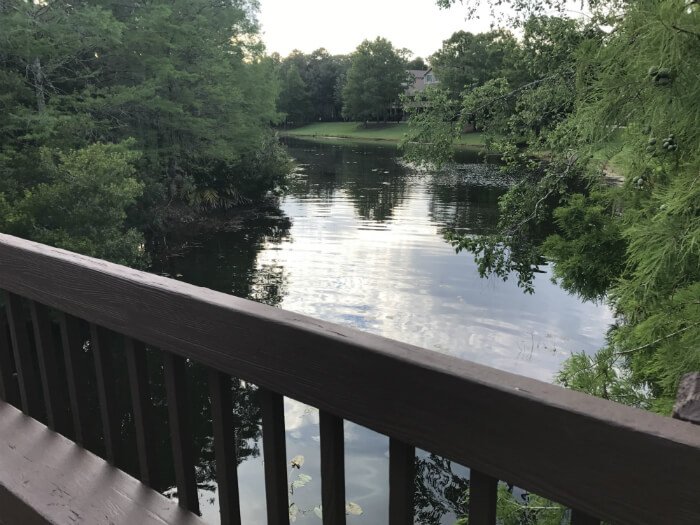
column 72, row 342
column 180, row 431
column 275, row 457
column 483, row 496
column 332, row 469
column 47, row 479
column 584, row 456
column 225, row 448
column 142, row 408
column 55, row 400
column 9, row 390
column 29, row 388
column 402, row 473
column 106, row 392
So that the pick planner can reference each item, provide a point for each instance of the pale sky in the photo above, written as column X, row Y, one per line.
column 340, row 25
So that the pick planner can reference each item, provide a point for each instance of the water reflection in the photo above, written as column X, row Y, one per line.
column 465, row 198
column 358, row 240
column 371, row 178
column 227, row 261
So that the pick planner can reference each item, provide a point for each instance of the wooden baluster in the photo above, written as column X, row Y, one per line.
column 483, row 494
column 581, row 518
column 72, row 341
column 180, row 431
column 8, row 385
column 54, row 398
column 106, row 394
column 687, row 405
column 26, row 375
column 332, row 469
column 225, row 447
column 142, row 408
column 402, row 473
column 275, row 457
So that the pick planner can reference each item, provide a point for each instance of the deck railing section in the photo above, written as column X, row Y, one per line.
column 606, row 461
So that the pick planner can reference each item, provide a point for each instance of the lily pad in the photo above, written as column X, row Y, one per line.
column 293, row 512
column 302, row 480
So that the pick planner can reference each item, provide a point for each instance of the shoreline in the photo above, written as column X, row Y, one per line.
column 389, row 133
column 360, row 140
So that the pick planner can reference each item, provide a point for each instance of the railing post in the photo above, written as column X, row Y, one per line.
column 402, row 474
column 687, row 407
column 175, row 368
column 8, row 385
column 54, row 395
column 483, row 498
column 141, row 405
column 72, row 341
column 225, row 447
column 332, row 469
column 275, row 457
column 104, row 370
column 26, row 376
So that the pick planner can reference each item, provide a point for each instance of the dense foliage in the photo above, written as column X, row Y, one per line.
column 130, row 107
column 312, row 86
column 468, row 60
column 364, row 85
column 616, row 93
column 376, row 78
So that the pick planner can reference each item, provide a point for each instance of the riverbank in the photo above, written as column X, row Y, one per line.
column 387, row 132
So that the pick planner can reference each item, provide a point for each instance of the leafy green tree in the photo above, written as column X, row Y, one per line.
column 43, row 70
column 294, row 99
column 324, row 71
column 432, row 125
column 417, row 64
column 82, row 205
column 376, row 78
column 315, row 98
column 467, row 60
column 625, row 100
column 188, row 81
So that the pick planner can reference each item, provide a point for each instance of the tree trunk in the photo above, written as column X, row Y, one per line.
column 39, row 78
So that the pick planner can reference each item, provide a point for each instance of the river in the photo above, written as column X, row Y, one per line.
column 358, row 239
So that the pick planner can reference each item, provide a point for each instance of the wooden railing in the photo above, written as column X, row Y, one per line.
column 606, row 461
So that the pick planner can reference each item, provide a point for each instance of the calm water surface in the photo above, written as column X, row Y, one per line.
column 359, row 240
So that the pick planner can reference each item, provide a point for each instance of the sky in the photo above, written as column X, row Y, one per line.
column 340, row 25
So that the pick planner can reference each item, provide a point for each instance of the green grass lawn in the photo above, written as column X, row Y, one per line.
column 392, row 132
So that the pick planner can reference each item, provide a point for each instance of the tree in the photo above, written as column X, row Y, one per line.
column 294, row 99
column 323, row 74
column 188, row 81
column 199, row 97
column 626, row 99
column 376, row 78
column 56, row 187
column 82, row 206
column 320, row 74
column 467, row 60
column 417, row 64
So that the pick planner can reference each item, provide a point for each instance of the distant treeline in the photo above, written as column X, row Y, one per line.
column 365, row 85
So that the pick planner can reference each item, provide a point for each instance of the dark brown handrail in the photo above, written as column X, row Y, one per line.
column 607, row 460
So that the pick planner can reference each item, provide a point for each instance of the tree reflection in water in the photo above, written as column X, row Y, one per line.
column 439, row 490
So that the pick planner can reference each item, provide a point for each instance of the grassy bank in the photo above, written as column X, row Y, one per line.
column 391, row 132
